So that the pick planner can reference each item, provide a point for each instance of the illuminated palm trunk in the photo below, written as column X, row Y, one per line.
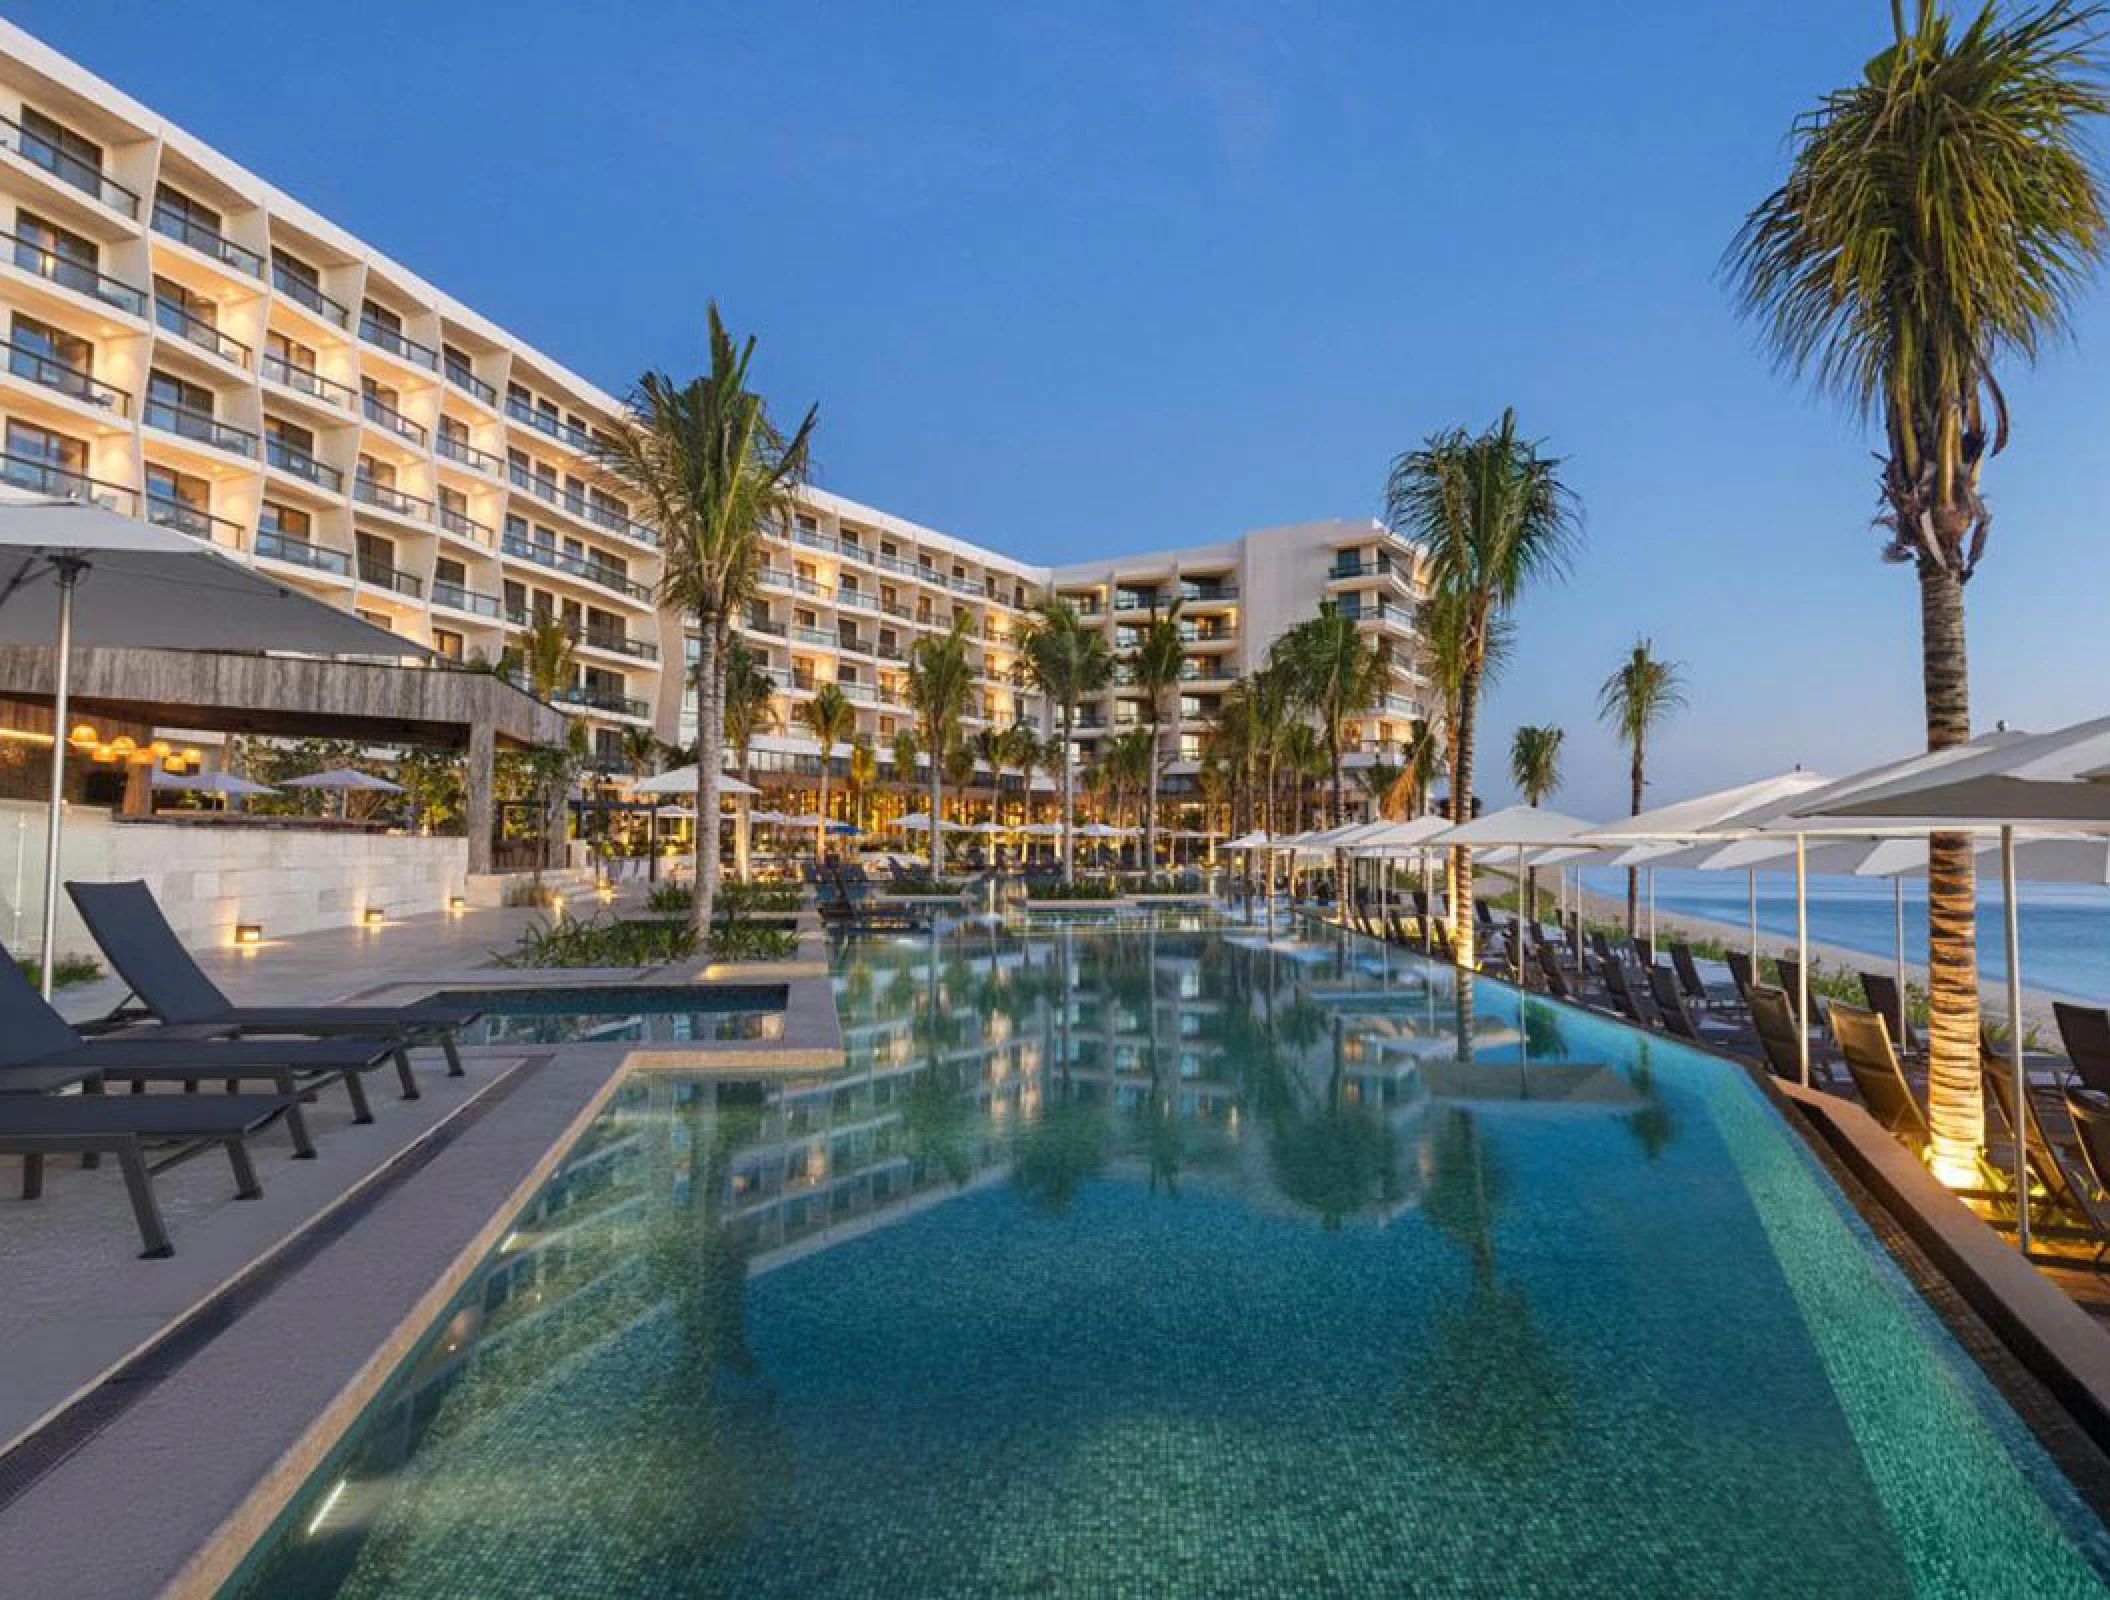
column 1955, row 1095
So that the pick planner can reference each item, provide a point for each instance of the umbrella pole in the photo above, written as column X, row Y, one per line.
column 1652, row 914
column 68, row 570
column 1802, row 962
column 1897, row 903
column 1751, row 886
column 2014, row 1036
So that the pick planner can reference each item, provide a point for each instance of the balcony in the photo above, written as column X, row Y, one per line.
column 77, row 276
column 303, row 293
column 383, row 337
column 620, row 644
column 763, row 625
column 1379, row 610
column 1192, row 633
column 815, row 637
column 469, row 383
column 813, row 539
column 576, row 567
column 381, row 575
column 614, row 521
column 384, row 415
column 194, row 329
column 202, row 426
column 1207, row 594
column 291, row 458
column 301, row 553
column 542, row 422
column 68, row 168
column 174, row 224
column 164, row 512
column 610, row 700
column 70, row 381
column 856, row 600
column 1347, row 569
column 466, row 454
column 386, row 497
column 306, row 381
column 456, row 598
column 48, row 477
column 464, row 526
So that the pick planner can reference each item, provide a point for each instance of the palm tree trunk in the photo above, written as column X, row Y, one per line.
column 1340, row 816
column 721, row 634
column 937, row 800
column 1150, row 814
column 1069, row 793
column 710, row 734
column 1462, row 813
column 1636, row 775
column 820, row 834
column 1955, row 1104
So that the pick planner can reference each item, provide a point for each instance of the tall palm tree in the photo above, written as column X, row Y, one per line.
column 1156, row 666
column 864, row 772
column 905, row 747
column 940, row 678
column 1420, row 756
column 1128, row 762
column 711, row 470
column 1642, row 692
column 641, row 751
column 1494, row 517
column 831, row 719
column 1067, row 659
column 1340, row 675
column 540, row 659
column 1535, row 768
column 750, row 703
column 992, row 749
column 1027, row 753
column 1938, row 217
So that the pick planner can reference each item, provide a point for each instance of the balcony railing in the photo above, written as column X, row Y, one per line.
column 763, row 625
column 857, row 600
column 166, row 512
column 463, row 525
column 301, row 553
column 814, row 539
column 614, row 521
column 1346, row 568
column 520, row 411
column 621, row 644
column 387, row 416
column 293, row 459
column 67, row 167
column 457, row 598
column 1197, row 594
column 48, row 477
column 575, row 566
column 175, row 224
column 297, row 289
column 468, row 455
column 188, row 326
column 200, row 425
column 813, row 636
column 856, row 643
column 462, row 378
column 371, row 491
column 38, row 368
column 382, row 575
column 76, row 275
column 579, row 694
column 383, row 337
column 305, row 379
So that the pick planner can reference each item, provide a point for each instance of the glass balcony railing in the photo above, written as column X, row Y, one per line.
column 542, row 422
column 67, row 167
column 293, row 459
column 39, row 368
column 202, row 426
column 301, row 292
column 575, row 566
column 457, row 598
column 307, row 380
column 455, row 449
column 468, row 382
column 175, row 224
column 78, row 276
column 64, row 483
column 1203, row 594
column 620, row 644
column 590, row 697
column 168, row 512
column 372, row 492
column 813, row 636
column 188, row 326
column 384, row 415
column 396, row 343
column 302, row 553
column 464, row 526
column 382, row 575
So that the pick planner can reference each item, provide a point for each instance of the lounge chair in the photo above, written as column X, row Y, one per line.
column 1695, row 987
column 2085, row 1031
column 2089, row 1110
column 1670, row 1005
column 1556, row 980
column 1864, row 1040
column 1773, row 1018
column 1440, row 943
column 2045, row 1162
column 1743, row 972
column 125, row 920
column 1790, row 970
column 1880, row 989
column 1623, row 997
column 1644, row 949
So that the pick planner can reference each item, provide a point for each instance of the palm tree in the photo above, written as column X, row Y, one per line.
column 1128, row 761
column 641, row 751
column 1535, row 768
column 540, row 659
column 1420, row 756
column 1067, row 659
column 750, row 703
column 940, row 678
column 1027, row 752
column 1340, row 674
column 864, row 772
column 1494, row 517
column 1156, row 666
column 831, row 719
column 1939, row 216
column 1631, row 702
column 711, row 469
column 992, row 749
column 904, row 749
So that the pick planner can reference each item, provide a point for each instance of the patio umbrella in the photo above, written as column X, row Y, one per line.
column 674, row 813
column 1516, row 827
column 682, row 780
column 346, row 781
column 209, row 783
column 73, row 574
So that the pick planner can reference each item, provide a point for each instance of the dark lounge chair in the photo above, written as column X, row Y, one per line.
column 1880, row 989
column 1644, row 950
column 1873, row 1065
column 1790, row 971
column 1743, row 972
column 1556, row 979
column 2089, row 1110
column 1774, row 1020
column 1694, row 986
column 1623, row 998
column 2045, row 1162
column 127, row 922
column 2085, row 1031
column 1670, row 1006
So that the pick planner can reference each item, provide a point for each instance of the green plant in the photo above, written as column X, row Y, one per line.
column 752, row 941
column 1080, row 889
column 1067, row 659
column 525, row 893
column 738, row 900
column 599, row 942
column 670, row 897
column 72, row 969
column 924, row 883
column 1638, row 695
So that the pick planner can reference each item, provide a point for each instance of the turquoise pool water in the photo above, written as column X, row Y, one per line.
column 625, row 1014
column 1181, row 1259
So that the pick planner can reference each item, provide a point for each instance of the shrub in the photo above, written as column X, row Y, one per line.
column 670, row 897
column 924, row 883
column 600, row 942
column 737, row 900
column 524, row 893
column 70, row 970
column 1082, row 889
column 752, row 941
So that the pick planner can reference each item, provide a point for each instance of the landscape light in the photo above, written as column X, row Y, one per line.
column 248, row 933
column 375, row 916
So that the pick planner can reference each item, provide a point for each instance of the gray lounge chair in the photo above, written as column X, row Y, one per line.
column 125, row 920
column 1774, row 1019
column 1873, row 1065
column 2085, row 1031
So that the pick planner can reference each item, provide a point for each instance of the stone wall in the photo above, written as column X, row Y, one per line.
column 208, row 877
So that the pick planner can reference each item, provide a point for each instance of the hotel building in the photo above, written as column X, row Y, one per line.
column 189, row 344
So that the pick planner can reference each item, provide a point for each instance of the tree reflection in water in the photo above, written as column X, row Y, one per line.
column 1654, row 1125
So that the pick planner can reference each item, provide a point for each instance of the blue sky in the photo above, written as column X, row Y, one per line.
column 1084, row 278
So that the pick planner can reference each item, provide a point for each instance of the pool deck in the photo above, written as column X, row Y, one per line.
column 198, row 1392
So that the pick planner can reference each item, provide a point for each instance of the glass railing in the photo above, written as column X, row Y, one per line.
column 167, row 512
column 813, row 636
column 291, row 458
column 1195, row 594
column 68, row 168
column 200, row 425
column 857, row 600
column 763, row 625
column 371, row 491
column 301, row 292
column 855, row 643
column 468, row 455
column 622, row 644
column 284, row 547
column 188, row 326
column 381, row 575
column 78, row 276
column 308, row 381
column 462, row 524
column 454, row 596
column 38, row 368
column 462, row 378
column 543, row 422
column 175, row 224
column 387, row 416
column 579, row 694
column 383, row 337
column 576, row 566
column 814, row 539
column 615, row 522
column 48, row 477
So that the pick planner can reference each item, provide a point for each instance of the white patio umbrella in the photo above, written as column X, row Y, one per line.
column 682, row 780
column 209, row 783
column 1520, row 828
column 73, row 574
column 345, row 781
column 672, row 813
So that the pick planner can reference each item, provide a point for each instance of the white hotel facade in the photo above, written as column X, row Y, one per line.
column 188, row 343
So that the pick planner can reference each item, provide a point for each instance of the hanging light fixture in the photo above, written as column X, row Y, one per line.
column 83, row 736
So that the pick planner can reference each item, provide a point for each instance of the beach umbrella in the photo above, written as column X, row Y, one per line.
column 346, row 781
column 672, row 813
column 682, row 780
column 1520, row 828
column 1256, row 840
column 73, row 575
column 210, row 783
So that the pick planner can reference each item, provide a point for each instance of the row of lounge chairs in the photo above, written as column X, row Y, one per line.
column 56, row 1082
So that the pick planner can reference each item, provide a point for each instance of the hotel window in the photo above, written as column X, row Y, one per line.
column 454, row 504
column 38, row 347
column 457, row 362
column 70, row 157
column 291, row 266
column 516, row 528
column 37, row 242
column 284, row 521
column 180, row 311
column 805, row 523
column 183, row 499
column 454, row 431
column 195, row 219
column 377, row 556
column 447, row 645
column 516, row 598
column 545, row 538
column 167, row 393
column 380, row 394
column 45, row 448
column 381, row 317
column 290, row 353
column 381, row 474
column 575, row 548
column 450, row 572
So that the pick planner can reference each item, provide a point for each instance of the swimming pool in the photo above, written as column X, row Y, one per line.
column 1183, row 1259
column 623, row 1014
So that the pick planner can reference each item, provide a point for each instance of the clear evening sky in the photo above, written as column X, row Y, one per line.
column 1077, row 279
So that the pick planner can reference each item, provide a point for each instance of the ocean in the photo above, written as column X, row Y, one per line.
column 2065, row 928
